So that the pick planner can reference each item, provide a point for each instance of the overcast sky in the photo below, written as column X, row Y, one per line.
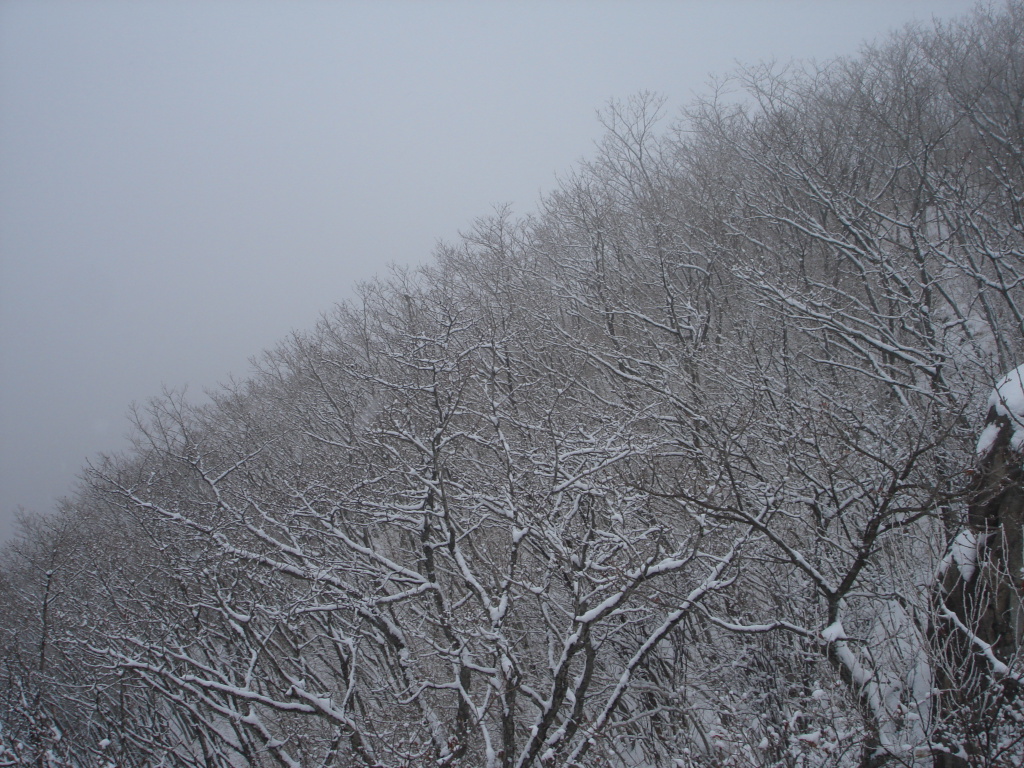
column 182, row 184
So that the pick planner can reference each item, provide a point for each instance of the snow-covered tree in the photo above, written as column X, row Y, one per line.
column 661, row 476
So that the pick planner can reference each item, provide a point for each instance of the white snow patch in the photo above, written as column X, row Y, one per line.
column 833, row 632
column 1008, row 400
column 987, row 439
column 813, row 738
column 965, row 553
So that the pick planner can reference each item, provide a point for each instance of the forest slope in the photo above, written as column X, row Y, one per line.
column 661, row 476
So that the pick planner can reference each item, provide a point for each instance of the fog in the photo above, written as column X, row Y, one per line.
column 184, row 184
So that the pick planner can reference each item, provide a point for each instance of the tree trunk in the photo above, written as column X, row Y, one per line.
column 979, row 622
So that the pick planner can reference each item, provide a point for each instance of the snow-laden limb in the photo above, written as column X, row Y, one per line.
column 712, row 582
column 999, row 668
column 761, row 628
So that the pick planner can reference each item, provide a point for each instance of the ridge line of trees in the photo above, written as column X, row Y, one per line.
column 683, row 470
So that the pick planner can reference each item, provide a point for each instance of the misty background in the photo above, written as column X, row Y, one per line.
column 183, row 184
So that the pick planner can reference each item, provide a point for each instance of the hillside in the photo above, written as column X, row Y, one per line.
column 682, row 471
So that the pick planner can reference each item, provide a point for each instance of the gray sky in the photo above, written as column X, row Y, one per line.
column 182, row 184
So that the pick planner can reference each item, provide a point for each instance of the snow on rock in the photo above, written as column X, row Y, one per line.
column 1007, row 401
column 987, row 439
column 965, row 553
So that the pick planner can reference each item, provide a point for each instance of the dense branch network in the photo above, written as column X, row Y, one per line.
column 681, row 471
